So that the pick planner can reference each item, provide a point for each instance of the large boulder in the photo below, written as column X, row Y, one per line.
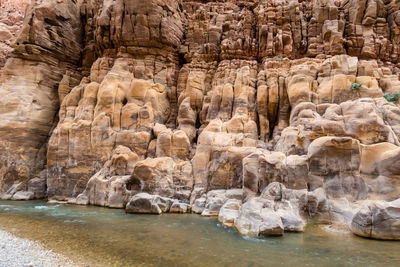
column 110, row 186
column 256, row 217
column 378, row 220
column 179, row 207
column 289, row 215
column 217, row 198
column 155, row 204
column 163, row 176
column 143, row 203
column 229, row 212
column 276, row 210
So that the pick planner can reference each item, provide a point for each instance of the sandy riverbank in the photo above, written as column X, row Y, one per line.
column 15, row 251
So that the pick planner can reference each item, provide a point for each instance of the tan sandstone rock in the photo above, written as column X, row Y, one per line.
column 264, row 113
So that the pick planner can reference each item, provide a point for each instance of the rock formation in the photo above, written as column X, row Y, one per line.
column 378, row 220
column 264, row 113
column 12, row 14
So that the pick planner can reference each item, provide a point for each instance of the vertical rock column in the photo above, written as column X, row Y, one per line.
column 130, row 89
column 48, row 46
column 11, row 21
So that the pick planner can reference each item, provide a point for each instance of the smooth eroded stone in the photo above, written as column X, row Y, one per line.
column 271, row 223
column 23, row 195
column 229, row 212
column 143, row 203
column 378, row 220
column 178, row 207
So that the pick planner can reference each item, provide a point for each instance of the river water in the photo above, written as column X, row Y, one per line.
column 95, row 236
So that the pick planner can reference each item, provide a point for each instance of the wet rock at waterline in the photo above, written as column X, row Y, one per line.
column 155, row 204
column 276, row 210
column 229, row 212
column 379, row 220
column 215, row 200
column 143, row 203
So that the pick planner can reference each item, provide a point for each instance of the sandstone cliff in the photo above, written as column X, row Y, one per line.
column 264, row 112
column 11, row 19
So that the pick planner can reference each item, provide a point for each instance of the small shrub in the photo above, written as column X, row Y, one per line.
column 392, row 97
column 355, row 87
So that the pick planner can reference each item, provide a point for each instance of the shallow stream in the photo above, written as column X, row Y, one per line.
column 95, row 236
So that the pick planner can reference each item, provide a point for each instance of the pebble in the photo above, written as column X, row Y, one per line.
column 17, row 251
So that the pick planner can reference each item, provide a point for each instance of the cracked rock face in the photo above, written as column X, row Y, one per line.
column 178, row 105
column 378, row 220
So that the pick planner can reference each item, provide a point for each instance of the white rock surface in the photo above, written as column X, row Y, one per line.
column 20, row 252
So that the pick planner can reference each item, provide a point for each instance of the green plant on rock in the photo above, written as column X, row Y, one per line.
column 355, row 87
column 392, row 97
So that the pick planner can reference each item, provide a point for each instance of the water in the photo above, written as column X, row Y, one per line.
column 94, row 236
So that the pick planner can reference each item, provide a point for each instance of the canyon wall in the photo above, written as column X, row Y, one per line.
column 239, row 105
column 12, row 14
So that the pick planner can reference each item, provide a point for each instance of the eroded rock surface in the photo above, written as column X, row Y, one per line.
column 48, row 47
column 379, row 220
column 276, row 210
column 12, row 14
column 263, row 113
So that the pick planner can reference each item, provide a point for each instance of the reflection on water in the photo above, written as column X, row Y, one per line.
column 109, row 237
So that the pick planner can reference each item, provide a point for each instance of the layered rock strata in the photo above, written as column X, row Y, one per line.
column 12, row 14
column 263, row 113
column 48, row 47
